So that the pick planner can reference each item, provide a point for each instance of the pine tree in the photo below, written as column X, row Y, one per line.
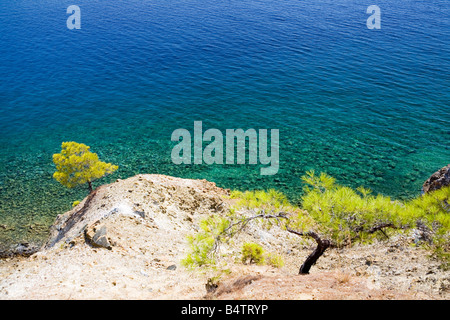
column 76, row 165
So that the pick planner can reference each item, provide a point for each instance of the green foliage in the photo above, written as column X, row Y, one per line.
column 433, row 207
column 75, row 203
column 275, row 260
column 252, row 253
column 318, row 183
column 76, row 165
column 347, row 215
column 334, row 212
column 344, row 214
column 431, row 212
column 270, row 200
column 204, row 243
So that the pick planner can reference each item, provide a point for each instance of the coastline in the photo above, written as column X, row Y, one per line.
column 24, row 230
column 127, row 239
column 26, row 247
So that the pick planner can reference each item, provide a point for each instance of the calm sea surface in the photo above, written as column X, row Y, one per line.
column 370, row 107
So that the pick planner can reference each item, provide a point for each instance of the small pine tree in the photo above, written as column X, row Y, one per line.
column 76, row 165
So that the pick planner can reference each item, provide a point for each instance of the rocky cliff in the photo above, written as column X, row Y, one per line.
column 438, row 180
column 151, row 203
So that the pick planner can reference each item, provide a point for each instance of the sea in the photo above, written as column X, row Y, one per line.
column 367, row 105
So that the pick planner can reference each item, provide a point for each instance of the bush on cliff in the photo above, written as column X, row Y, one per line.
column 430, row 214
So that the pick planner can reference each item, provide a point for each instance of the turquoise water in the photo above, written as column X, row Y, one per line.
column 370, row 107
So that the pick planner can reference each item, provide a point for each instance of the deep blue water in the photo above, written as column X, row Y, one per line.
column 370, row 107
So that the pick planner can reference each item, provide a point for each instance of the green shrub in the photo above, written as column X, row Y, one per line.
column 274, row 260
column 431, row 215
column 75, row 203
column 252, row 253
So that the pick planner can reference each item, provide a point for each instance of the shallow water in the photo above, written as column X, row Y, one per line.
column 369, row 107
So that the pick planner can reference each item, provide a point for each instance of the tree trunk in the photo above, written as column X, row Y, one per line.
column 322, row 245
column 90, row 186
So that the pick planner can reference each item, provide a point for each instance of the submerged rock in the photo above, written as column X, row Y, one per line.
column 438, row 180
column 24, row 249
